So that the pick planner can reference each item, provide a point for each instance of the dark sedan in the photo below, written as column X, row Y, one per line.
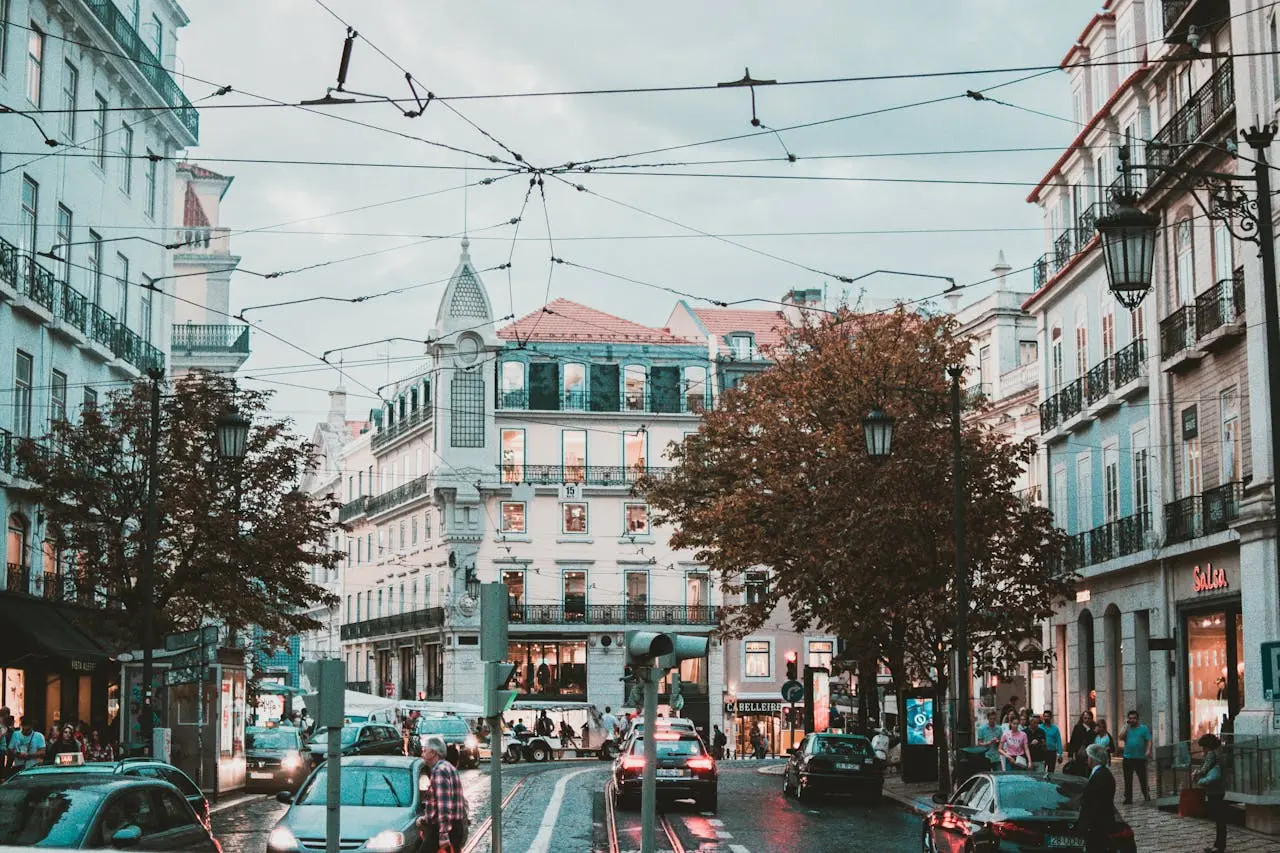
column 833, row 764
column 1014, row 813
column 685, row 770
column 275, row 758
column 145, row 768
column 359, row 739
column 381, row 803
column 89, row 811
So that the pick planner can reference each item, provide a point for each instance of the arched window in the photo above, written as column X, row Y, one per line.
column 1055, row 357
column 695, row 389
column 633, row 387
column 15, row 553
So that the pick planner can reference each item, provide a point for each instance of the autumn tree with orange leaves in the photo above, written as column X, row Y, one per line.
column 778, row 476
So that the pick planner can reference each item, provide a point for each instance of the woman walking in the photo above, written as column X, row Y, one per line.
column 1209, row 779
column 1102, row 736
column 1013, row 747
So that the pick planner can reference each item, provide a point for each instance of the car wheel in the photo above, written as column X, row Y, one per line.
column 539, row 752
column 803, row 794
column 786, row 785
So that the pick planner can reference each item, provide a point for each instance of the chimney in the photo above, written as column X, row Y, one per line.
column 1001, row 269
column 338, row 407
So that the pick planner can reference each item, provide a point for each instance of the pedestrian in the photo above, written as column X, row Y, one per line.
column 26, row 748
column 567, row 737
column 1209, row 779
column 718, row 741
column 1035, row 740
column 1102, row 736
column 755, row 737
column 586, row 734
column 1097, row 802
column 97, row 750
column 1081, row 734
column 1011, row 705
column 66, row 744
column 445, row 825
column 610, row 723
column 1136, row 739
column 1052, row 741
column 988, row 735
column 1013, row 747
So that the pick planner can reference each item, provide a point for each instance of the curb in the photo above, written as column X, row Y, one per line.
column 910, row 803
column 772, row 770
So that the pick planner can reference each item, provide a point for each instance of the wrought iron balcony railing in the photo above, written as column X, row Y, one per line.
column 613, row 614
column 1071, row 399
column 396, row 623
column 1117, row 538
column 1178, row 331
column 1130, row 363
column 1221, row 304
column 50, row 586
column 591, row 475
column 1097, row 382
column 1193, row 119
column 1182, row 521
column 193, row 337
column 1220, row 506
column 1050, row 417
column 411, row 490
column 353, row 509
column 406, row 424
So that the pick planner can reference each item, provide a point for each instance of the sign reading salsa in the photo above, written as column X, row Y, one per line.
column 1208, row 579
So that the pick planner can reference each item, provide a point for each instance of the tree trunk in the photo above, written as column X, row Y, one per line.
column 941, row 732
column 868, row 696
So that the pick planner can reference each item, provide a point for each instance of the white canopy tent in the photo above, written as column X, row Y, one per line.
column 356, row 704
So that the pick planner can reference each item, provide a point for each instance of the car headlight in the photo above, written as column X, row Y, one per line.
column 471, row 742
column 292, row 760
column 282, row 839
column 388, row 839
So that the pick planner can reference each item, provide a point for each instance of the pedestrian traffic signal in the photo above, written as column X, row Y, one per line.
column 497, row 698
column 792, row 674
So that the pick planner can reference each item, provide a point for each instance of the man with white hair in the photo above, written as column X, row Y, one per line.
column 1097, row 802
column 445, row 825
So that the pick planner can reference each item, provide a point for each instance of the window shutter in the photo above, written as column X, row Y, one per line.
column 544, row 386
column 604, row 388
column 665, row 388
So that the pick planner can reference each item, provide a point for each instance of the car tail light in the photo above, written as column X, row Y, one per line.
column 632, row 762
column 702, row 762
column 1009, row 831
column 1124, row 833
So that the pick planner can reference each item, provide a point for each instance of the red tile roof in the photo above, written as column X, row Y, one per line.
column 563, row 320
column 193, row 215
column 767, row 327
column 199, row 171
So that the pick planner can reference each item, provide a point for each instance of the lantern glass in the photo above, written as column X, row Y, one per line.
column 877, row 429
column 1129, row 249
column 233, row 435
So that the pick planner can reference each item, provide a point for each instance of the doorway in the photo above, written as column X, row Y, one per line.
column 1214, row 683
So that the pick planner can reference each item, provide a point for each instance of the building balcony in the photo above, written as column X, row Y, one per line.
column 49, row 586
column 582, row 400
column 203, row 240
column 1129, row 371
column 401, row 427
column 410, row 491
column 1180, row 15
column 1022, row 378
column 396, row 623
column 148, row 63
column 1220, row 313
column 1178, row 339
column 1069, row 243
column 1050, row 417
column 1097, row 382
column 1030, row 496
column 580, row 613
column 976, row 394
column 1202, row 515
column 589, row 475
column 193, row 338
column 353, row 509
column 1118, row 538
column 1194, row 120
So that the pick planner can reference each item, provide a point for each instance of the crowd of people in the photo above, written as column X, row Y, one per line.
column 24, row 745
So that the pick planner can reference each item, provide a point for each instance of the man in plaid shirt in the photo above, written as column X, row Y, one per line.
column 445, row 825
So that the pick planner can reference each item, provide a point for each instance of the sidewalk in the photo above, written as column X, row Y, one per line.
column 1154, row 830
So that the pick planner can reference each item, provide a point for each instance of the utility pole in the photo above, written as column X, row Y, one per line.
column 963, row 684
column 146, row 580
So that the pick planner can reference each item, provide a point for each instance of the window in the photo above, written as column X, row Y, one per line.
column 413, row 530
column 1077, row 105
column 573, row 453
column 757, row 659
column 1058, row 496
column 575, row 595
column 820, row 654
column 636, row 587
column 1185, row 263
column 100, row 129
column 574, row 388
column 70, row 95
column 426, row 526
column 697, row 590
column 1055, row 358
column 637, row 517
column 1082, row 342
column 1137, row 323
column 359, row 551
column 144, row 302
column 756, row 588
column 135, row 18
column 1108, row 325
column 514, row 582
column 152, row 166
column 550, row 669
column 1110, row 482
column 513, row 517
column 1192, row 482
column 126, row 158
column 514, row 395
column 360, row 484
column 22, row 373
column 1274, row 39
column 467, row 410
column 122, row 282
column 1229, row 402
column 1223, row 262
column 157, row 39
column 633, row 387
column 695, row 389
column 574, row 518
column 1084, row 492
column 35, row 64
column 512, row 455
column 93, row 273
column 63, row 239
column 403, row 536
column 30, row 215
column 635, row 455
column 89, row 401
column 57, row 397
column 4, row 36
column 985, row 373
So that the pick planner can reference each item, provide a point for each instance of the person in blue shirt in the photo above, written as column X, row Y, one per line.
column 989, row 736
column 1136, row 739
column 1052, row 741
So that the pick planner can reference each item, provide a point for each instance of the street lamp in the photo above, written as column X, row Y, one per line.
column 1129, row 249
column 877, row 429
column 472, row 583
column 233, row 435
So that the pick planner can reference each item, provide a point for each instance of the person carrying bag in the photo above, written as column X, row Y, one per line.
column 1209, row 780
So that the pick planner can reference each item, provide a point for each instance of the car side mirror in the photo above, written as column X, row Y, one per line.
column 285, row 797
column 126, row 836
column 795, row 750
column 940, row 799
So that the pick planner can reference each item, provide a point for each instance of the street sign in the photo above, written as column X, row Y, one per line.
column 193, row 657
column 187, row 675
column 186, row 639
column 1270, row 670
column 792, row 691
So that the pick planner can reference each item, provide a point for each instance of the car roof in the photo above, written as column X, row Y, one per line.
column 405, row 761
column 841, row 736
column 96, row 781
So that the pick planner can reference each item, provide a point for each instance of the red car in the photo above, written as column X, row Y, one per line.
column 685, row 771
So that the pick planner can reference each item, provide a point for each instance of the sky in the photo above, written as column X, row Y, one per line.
column 796, row 224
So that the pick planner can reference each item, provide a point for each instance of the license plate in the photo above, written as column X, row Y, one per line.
column 259, row 775
column 664, row 773
column 1063, row 842
column 846, row 766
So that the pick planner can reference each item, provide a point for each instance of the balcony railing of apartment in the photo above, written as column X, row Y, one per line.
column 415, row 488
column 1130, row 363
column 1202, row 515
column 1114, row 539
column 1067, row 244
column 193, row 337
column 396, row 623
column 614, row 614
column 1219, row 305
column 400, row 427
column 1071, row 399
column 1193, row 119
column 22, row 274
column 353, row 509
column 49, row 586
column 1137, row 185
column 975, row 394
column 1182, row 519
column 1050, row 416
column 581, row 400
column 148, row 64
column 1030, row 496
column 591, row 475
column 203, row 239
column 1097, row 382
column 1178, row 331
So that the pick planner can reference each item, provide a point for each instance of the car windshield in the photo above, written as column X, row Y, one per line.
column 45, row 815
column 379, row 787
column 257, row 738
column 443, row 726
column 846, row 747
column 349, row 735
column 1026, row 796
column 669, row 747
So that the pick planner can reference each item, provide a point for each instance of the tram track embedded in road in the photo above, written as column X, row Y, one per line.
column 482, row 830
column 611, row 826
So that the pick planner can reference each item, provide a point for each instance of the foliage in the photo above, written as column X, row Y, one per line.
column 236, row 539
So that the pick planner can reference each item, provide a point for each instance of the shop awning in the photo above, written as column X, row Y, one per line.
column 47, row 630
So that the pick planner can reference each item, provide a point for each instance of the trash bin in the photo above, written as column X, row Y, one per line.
column 970, row 760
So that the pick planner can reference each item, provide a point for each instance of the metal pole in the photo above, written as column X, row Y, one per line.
column 146, row 579
column 963, row 684
column 333, row 791
column 200, row 712
column 495, row 783
column 649, row 780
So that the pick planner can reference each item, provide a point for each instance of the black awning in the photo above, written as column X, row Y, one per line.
column 47, row 630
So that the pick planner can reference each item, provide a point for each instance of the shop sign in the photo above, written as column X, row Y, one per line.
column 83, row 666
column 1190, row 423
column 759, row 707
column 1208, row 579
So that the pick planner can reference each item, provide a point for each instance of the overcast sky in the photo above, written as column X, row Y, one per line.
column 289, row 49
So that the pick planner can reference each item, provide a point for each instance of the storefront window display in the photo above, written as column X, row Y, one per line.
column 13, row 682
column 550, row 668
column 1215, row 669
column 765, row 719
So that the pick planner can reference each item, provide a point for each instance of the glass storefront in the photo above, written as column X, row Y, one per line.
column 13, row 682
column 1215, row 668
column 550, row 668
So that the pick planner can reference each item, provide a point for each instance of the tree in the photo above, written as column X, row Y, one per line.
column 235, row 537
column 778, row 476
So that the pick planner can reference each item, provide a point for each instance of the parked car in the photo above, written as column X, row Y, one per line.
column 685, row 770
column 1014, row 812
column 275, row 758
column 464, row 748
column 833, row 764
column 93, row 810
column 382, row 799
column 144, row 768
column 358, row 739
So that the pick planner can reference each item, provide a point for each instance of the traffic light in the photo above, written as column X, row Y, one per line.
column 644, row 646
column 328, row 679
column 497, row 698
column 683, row 647
column 494, row 612
column 792, row 674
